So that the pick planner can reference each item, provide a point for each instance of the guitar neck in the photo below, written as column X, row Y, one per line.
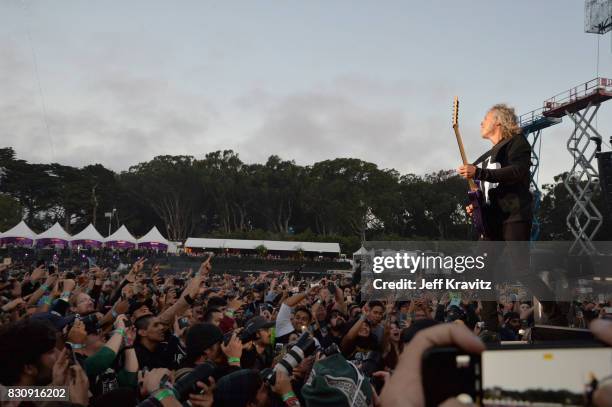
column 471, row 182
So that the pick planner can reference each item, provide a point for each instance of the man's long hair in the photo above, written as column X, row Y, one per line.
column 506, row 117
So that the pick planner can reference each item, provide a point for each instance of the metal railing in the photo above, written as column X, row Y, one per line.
column 531, row 117
column 581, row 91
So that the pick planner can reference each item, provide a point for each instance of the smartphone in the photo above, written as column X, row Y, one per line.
column 561, row 374
column 331, row 287
column 51, row 269
column 183, row 323
column 71, row 356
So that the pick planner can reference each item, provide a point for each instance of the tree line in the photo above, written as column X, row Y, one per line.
column 344, row 199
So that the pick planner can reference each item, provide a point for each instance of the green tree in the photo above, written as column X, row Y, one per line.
column 10, row 212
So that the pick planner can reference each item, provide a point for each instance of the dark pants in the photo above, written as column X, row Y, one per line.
column 515, row 231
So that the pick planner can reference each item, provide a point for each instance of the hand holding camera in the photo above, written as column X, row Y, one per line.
column 153, row 380
column 120, row 322
column 233, row 349
column 205, row 397
column 282, row 383
column 77, row 333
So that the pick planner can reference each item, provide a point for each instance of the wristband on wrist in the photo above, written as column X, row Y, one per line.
column 229, row 313
column 76, row 345
column 288, row 395
column 46, row 300
column 292, row 402
column 162, row 394
column 127, row 343
column 114, row 313
column 44, row 287
column 233, row 360
column 120, row 331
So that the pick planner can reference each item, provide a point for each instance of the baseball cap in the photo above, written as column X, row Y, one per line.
column 200, row 337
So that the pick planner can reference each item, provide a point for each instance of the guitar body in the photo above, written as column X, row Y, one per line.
column 475, row 194
column 477, row 199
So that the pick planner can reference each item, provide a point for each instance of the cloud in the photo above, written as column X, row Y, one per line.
column 110, row 112
column 355, row 116
column 117, row 118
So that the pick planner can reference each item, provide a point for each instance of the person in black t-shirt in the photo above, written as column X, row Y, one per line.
column 153, row 347
column 504, row 176
column 258, row 353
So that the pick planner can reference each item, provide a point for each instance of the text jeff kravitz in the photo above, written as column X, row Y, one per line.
column 435, row 284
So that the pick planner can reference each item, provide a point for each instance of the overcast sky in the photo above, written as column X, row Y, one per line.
column 120, row 82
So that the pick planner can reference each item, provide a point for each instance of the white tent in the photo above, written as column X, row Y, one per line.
column 20, row 231
column 55, row 232
column 153, row 238
column 122, row 237
column 271, row 245
column 89, row 234
column 362, row 251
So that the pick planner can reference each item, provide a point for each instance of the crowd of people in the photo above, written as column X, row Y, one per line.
column 144, row 337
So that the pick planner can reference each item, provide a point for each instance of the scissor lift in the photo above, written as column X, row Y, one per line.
column 581, row 104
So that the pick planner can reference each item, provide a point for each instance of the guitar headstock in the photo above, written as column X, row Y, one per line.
column 455, row 111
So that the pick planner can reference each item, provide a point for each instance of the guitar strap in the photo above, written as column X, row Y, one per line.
column 482, row 158
column 488, row 153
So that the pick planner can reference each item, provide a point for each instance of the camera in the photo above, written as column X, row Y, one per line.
column 187, row 384
column 245, row 336
column 304, row 347
column 90, row 321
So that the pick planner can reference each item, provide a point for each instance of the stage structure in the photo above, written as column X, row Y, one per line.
column 532, row 124
column 581, row 105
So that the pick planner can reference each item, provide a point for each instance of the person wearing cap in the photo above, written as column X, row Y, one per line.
column 241, row 389
column 204, row 343
column 258, row 353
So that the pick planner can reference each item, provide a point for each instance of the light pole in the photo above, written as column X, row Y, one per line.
column 110, row 215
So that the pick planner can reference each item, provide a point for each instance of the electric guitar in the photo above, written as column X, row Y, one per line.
column 475, row 194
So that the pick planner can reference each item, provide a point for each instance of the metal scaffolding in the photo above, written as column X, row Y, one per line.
column 532, row 124
column 581, row 104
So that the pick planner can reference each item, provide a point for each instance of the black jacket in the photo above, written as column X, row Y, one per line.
column 511, row 200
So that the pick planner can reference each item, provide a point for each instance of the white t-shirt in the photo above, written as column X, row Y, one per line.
column 283, row 320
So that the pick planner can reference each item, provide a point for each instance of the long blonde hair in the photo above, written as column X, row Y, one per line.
column 506, row 117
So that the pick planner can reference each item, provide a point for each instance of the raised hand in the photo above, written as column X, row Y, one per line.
column 60, row 369
column 205, row 267
column 79, row 386
column 233, row 348
column 38, row 273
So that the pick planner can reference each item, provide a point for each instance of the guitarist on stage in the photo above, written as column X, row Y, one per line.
column 504, row 177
